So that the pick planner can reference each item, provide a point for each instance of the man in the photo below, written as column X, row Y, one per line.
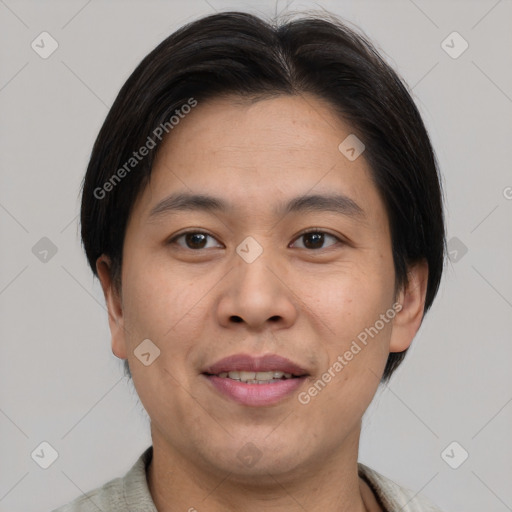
column 263, row 210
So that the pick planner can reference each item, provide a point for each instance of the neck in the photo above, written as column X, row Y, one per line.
column 328, row 484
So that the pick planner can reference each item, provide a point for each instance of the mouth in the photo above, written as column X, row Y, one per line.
column 255, row 381
column 255, row 377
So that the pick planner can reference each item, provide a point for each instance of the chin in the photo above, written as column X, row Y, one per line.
column 248, row 459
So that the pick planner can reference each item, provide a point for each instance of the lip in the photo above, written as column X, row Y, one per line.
column 255, row 395
column 248, row 363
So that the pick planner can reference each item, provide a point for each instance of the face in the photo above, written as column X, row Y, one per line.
column 266, row 274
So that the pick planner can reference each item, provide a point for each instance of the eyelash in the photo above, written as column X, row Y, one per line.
column 308, row 231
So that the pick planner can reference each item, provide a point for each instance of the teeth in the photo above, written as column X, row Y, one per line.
column 255, row 377
column 266, row 375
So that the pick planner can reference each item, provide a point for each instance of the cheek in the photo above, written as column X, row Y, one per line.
column 356, row 348
column 349, row 299
column 351, row 302
column 158, row 298
column 171, row 308
column 163, row 306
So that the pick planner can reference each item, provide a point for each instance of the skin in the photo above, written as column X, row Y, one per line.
column 306, row 304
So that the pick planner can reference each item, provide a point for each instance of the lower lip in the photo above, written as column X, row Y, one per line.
column 255, row 394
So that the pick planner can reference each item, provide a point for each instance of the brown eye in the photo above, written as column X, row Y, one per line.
column 316, row 239
column 194, row 240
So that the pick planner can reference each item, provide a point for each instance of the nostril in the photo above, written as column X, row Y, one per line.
column 236, row 319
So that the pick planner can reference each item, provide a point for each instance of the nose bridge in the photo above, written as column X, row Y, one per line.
column 256, row 293
column 252, row 271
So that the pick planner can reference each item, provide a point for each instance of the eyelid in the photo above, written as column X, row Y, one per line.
column 302, row 233
column 318, row 230
column 200, row 231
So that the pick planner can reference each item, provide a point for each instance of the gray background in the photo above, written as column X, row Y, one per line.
column 60, row 382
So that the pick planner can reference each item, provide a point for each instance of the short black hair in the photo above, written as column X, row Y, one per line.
column 237, row 53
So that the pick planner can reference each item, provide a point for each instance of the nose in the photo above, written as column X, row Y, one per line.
column 258, row 295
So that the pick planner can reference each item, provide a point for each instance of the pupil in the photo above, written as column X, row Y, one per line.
column 319, row 238
column 195, row 240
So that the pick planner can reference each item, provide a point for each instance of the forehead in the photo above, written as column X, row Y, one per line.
column 234, row 128
column 260, row 153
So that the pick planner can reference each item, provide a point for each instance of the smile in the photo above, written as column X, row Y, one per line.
column 253, row 392
column 256, row 377
column 255, row 380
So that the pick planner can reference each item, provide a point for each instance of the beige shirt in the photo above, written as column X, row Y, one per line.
column 131, row 493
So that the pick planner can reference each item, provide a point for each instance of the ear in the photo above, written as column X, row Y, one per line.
column 114, row 306
column 412, row 299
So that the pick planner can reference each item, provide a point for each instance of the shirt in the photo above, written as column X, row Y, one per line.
column 131, row 493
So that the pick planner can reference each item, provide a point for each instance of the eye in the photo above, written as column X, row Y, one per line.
column 314, row 239
column 193, row 240
column 196, row 240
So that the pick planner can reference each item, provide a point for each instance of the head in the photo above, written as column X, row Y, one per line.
column 256, row 115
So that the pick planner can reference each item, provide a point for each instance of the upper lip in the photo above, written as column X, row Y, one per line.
column 246, row 362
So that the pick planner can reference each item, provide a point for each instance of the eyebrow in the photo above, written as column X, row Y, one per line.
column 336, row 203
